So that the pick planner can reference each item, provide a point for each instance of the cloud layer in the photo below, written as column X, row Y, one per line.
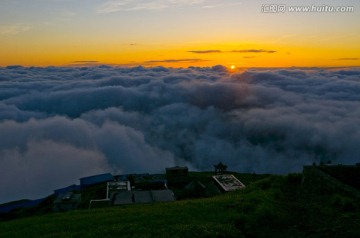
column 61, row 123
column 134, row 5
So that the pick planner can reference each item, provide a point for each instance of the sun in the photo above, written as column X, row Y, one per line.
column 232, row 67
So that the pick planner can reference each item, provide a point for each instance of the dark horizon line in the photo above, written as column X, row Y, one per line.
column 148, row 65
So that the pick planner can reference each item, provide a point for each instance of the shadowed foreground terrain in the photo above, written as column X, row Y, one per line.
column 274, row 206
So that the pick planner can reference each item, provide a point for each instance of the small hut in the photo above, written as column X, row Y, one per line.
column 220, row 168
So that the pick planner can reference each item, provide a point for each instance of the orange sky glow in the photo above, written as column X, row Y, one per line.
column 176, row 34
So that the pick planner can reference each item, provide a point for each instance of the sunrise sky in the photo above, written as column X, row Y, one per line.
column 177, row 33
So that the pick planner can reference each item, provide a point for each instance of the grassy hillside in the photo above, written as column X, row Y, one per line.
column 273, row 206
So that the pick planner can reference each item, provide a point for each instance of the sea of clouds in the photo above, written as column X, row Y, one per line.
column 58, row 124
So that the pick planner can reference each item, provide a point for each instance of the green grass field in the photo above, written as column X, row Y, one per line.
column 273, row 206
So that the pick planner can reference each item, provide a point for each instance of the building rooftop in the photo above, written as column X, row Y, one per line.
column 149, row 196
column 178, row 168
column 95, row 179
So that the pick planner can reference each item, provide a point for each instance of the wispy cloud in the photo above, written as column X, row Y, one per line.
column 14, row 29
column 80, row 63
column 222, row 4
column 175, row 61
column 133, row 5
column 232, row 51
column 86, row 61
column 254, row 51
column 204, row 51
column 348, row 59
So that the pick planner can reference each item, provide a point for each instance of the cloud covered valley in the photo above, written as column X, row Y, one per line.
column 58, row 124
